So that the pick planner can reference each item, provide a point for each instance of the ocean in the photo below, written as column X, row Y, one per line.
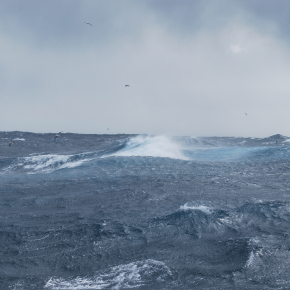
column 89, row 211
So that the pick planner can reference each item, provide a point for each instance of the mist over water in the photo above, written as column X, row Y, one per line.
column 144, row 212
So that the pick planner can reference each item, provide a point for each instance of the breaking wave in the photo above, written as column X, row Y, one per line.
column 203, row 149
column 46, row 163
column 154, row 146
column 182, row 148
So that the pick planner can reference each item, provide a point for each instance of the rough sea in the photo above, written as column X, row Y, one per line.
column 144, row 212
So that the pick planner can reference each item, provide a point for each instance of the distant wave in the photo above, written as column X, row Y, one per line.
column 183, row 148
column 203, row 149
column 46, row 163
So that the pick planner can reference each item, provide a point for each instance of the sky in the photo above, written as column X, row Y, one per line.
column 195, row 67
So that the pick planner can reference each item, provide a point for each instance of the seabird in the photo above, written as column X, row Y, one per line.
column 127, row 86
column 10, row 144
column 57, row 135
column 246, row 114
column 88, row 23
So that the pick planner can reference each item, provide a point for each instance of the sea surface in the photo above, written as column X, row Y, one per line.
column 144, row 212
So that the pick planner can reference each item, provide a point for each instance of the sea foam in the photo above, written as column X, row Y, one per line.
column 45, row 163
column 154, row 146
column 202, row 208
column 125, row 276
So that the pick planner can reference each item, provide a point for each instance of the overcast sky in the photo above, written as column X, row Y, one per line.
column 194, row 67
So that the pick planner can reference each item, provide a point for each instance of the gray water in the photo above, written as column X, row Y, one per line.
column 144, row 212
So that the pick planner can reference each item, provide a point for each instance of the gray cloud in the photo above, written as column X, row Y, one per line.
column 194, row 67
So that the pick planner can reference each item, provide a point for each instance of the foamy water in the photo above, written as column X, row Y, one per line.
column 154, row 146
column 45, row 163
column 202, row 208
column 126, row 276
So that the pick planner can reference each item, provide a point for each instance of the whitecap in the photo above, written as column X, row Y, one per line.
column 19, row 139
column 202, row 208
column 45, row 163
column 154, row 146
column 126, row 276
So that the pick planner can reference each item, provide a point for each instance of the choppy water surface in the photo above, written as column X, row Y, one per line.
column 144, row 212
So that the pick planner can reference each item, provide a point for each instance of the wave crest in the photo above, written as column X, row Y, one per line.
column 153, row 146
column 46, row 163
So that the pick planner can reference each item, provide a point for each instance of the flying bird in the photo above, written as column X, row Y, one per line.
column 246, row 114
column 88, row 23
column 10, row 144
column 127, row 86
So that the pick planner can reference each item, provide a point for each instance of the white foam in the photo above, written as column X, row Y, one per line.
column 126, row 276
column 19, row 139
column 202, row 208
column 75, row 284
column 154, row 146
column 286, row 141
column 250, row 260
column 74, row 164
column 45, row 163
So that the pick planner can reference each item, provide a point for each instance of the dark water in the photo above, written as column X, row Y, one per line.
column 144, row 212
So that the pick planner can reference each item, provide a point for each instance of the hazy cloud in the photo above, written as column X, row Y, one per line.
column 194, row 67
